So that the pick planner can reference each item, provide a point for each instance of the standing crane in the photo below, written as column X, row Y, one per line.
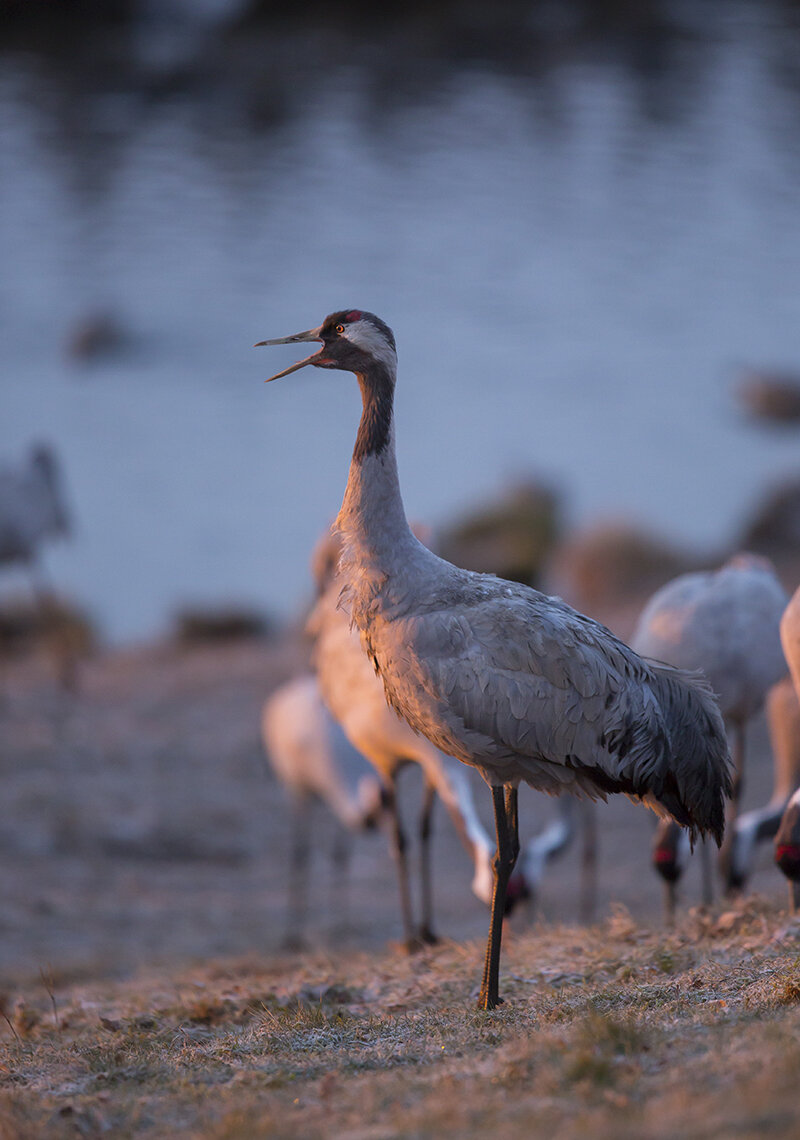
column 357, row 700
column 316, row 763
column 787, row 849
column 753, row 827
column 790, row 638
column 724, row 623
column 671, row 847
column 33, row 509
column 508, row 680
column 787, row 839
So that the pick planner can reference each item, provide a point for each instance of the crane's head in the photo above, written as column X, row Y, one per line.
column 352, row 340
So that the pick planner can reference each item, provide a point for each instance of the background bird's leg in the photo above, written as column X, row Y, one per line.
column 670, row 899
column 707, row 872
column 340, row 865
column 732, row 807
column 507, row 826
column 55, row 628
column 398, row 845
column 794, row 896
column 425, row 820
column 588, row 895
column 297, row 879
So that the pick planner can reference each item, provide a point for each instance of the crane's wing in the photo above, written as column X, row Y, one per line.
column 528, row 685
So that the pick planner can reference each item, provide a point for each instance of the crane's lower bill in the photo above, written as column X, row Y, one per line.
column 315, row 358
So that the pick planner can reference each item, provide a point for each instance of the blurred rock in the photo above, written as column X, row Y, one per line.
column 611, row 563
column 770, row 396
column 94, row 336
column 774, row 528
column 511, row 537
column 197, row 626
column 26, row 626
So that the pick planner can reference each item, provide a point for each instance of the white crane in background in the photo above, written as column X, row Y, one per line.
column 316, row 763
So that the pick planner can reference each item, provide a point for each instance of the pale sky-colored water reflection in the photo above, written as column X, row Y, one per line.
column 572, row 281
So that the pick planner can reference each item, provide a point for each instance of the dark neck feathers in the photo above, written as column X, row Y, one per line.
column 377, row 394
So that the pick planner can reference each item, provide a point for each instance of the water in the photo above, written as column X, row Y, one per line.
column 576, row 259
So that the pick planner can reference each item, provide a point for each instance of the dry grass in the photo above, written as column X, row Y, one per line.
column 608, row 1031
column 141, row 835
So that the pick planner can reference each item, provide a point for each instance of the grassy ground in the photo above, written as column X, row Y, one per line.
column 144, row 993
column 612, row 1030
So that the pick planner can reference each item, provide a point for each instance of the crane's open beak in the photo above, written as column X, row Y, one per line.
column 311, row 334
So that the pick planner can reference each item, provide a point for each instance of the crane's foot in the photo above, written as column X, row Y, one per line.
column 293, row 943
column 427, row 937
column 413, row 944
column 489, row 1001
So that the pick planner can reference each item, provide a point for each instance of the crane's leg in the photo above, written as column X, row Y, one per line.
column 732, row 810
column 398, row 845
column 297, row 881
column 425, row 820
column 707, row 873
column 507, row 825
column 667, row 862
column 588, row 895
column 340, row 866
column 55, row 626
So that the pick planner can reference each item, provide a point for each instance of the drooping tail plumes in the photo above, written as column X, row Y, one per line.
column 700, row 774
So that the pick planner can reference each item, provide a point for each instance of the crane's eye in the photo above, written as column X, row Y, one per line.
column 339, row 329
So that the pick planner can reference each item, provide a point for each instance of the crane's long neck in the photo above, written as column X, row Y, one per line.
column 372, row 520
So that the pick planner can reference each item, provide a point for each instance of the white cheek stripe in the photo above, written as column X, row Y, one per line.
column 365, row 336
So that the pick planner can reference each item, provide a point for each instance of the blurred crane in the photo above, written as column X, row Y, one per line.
column 753, row 827
column 506, row 679
column 574, row 817
column 787, row 839
column 787, row 849
column 316, row 763
column 671, row 845
column 33, row 510
column 724, row 623
column 790, row 638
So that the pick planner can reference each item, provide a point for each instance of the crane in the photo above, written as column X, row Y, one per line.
column 32, row 506
column 573, row 816
column 316, row 763
column 787, row 849
column 787, row 839
column 724, row 623
column 506, row 679
column 33, row 509
column 671, row 846
column 752, row 827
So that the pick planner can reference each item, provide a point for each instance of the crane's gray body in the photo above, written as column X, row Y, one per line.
column 32, row 506
column 522, row 687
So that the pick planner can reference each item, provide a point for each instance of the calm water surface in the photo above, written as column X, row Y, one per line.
column 575, row 261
